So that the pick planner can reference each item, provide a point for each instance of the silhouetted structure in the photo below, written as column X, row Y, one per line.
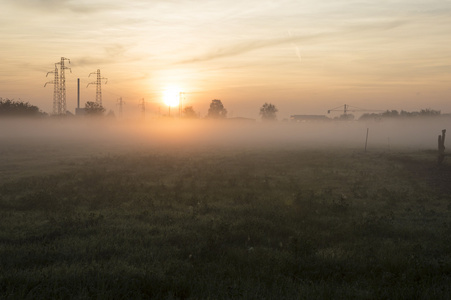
column 59, row 90
column 347, row 108
column 142, row 104
column 441, row 147
column 63, row 84
column 56, row 90
column 120, row 103
column 98, row 84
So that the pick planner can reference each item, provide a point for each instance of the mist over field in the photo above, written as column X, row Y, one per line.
column 113, row 135
column 35, row 145
column 201, row 209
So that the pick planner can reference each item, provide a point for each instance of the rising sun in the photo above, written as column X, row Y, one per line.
column 171, row 96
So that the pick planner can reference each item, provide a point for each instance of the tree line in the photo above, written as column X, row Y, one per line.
column 391, row 114
column 216, row 111
column 14, row 108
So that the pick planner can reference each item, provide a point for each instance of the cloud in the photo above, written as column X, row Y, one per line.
column 247, row 46
column 51, row 6
column 112, row 54
column 243, row 47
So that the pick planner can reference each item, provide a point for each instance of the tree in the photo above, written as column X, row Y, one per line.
column 390, row 114
column 217, row 110
column 94, row 109
column 430, row 112
column 268, row 112
column 188, row 112
column 345, row 117
column 18, row 108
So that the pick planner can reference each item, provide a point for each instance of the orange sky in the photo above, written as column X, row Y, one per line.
column 303, row 56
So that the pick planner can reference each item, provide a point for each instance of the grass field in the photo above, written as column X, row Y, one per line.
column 281, row 222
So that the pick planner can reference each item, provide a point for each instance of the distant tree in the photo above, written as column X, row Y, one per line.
column 268, row 112
column 390, row 114
column 429, row 112
column 370, row 116
column 19, row 109
column 188, row 112
column 94, row 109
column 217, row 110
column 345, row 117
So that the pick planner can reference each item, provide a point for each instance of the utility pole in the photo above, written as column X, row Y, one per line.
column 56, row 90
column 78, row 93
column 62, row 108
column 98, row 84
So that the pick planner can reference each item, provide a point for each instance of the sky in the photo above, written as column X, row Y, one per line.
column 304, row 56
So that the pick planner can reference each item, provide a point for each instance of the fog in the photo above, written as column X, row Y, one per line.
column 132, row 135
column 37, row 145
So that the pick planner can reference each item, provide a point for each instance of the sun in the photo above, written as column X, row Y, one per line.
column 171, row 96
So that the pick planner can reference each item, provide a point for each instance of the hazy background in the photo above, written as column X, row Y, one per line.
column 303, row 56
column 93, row 137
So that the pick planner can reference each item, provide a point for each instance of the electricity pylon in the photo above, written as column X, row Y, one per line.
column 98, row 84
column 56, row 90
column 62, row 109
column 120, row 103
column 142, row 104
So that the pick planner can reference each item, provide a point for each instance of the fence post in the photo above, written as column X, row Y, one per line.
column 441, row 147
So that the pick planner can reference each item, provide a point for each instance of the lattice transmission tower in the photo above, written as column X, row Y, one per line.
column 98, row 84
column 63, row 85
column 59, row 90
column 120, row 103
column 142, row 104
column 56, row 90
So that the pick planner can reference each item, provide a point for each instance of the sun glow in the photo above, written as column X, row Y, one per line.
column 171, row 96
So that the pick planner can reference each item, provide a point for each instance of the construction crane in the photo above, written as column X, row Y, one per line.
column 347, row 108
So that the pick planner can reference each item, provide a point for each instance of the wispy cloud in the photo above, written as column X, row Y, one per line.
column 51, row 6
column 247, row 46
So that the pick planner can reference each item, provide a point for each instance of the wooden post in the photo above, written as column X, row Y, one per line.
column 441, row 147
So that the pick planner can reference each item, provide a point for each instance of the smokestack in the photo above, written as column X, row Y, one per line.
column 78, row 92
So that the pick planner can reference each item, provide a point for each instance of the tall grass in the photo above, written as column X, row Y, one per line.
column 251, row 224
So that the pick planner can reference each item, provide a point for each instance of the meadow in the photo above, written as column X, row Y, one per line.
column 216, row 222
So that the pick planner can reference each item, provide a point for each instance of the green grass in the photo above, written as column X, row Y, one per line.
column 280, row 223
